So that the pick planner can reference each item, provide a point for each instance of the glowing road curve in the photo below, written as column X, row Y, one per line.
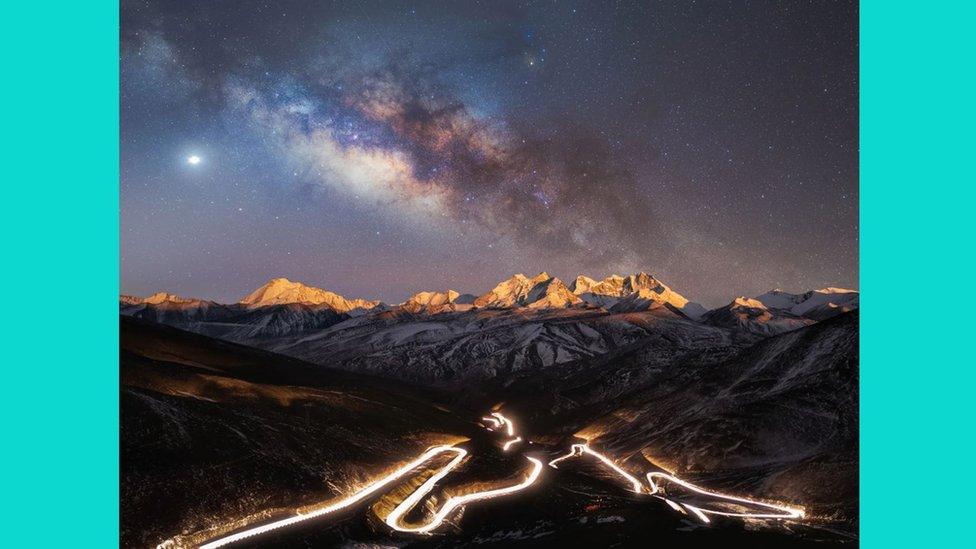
column 498, row 422
column 781, row 511
column 395, row 518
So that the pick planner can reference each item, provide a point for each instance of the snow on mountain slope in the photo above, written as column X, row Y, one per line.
column 438, row 302
column 522, row 323
column 815, row 304
column 126, row 300
column 476, row 345
column 750, row 315
column 159, row 298
column 632, row 293
column 171, row 307
column 235, row 322
column 281, row 291
column 540, row 291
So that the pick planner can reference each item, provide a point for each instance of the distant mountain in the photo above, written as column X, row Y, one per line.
column 446, row 337
column 438, row 302
column 815, row 305
column 481, row 345
column 776, row 311
column 636, row 292
column 234, row 322
column 163, row 298
column 281, row 291
column 540, row 291
column 750, row 315
column 126, row 300
column 169, row 308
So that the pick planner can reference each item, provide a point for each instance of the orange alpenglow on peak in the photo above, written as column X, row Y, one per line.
column 281, row 291
column 634, row 292
column 164, row 297
column 540, row 291
column 435, row 302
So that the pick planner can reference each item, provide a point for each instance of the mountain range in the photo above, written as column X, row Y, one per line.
column 637, row 292
column 447, row 337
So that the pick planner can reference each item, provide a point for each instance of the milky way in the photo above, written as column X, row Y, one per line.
column 382, row 149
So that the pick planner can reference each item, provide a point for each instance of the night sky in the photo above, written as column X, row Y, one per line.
column 380, row 149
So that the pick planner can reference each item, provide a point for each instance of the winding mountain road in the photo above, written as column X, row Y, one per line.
column 685, row 498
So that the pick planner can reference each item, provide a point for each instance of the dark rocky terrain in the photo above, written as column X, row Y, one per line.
column 213, row 432
column 778, row 418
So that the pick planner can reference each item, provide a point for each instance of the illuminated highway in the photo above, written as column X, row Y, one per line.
column 782, row 512
column 344, row 503
column 577, row 450
column 501, row 424
column 394, row 519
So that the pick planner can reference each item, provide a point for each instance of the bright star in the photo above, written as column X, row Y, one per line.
column 194, row 160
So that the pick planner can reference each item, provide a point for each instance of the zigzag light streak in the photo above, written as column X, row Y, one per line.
column 580, row 449
column 393, row 519
column 342, row 504
column 784, row 512
column 577, row 450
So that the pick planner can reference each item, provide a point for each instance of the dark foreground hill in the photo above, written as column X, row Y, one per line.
column 213, row 432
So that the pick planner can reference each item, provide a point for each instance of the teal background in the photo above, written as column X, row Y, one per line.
column 59, row 196
column 917, row 377
column 59, row 399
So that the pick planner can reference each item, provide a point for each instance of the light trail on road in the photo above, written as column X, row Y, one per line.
column 393, row 519
column 784, row 512
column 344, row 503
column 510, row 427
column 509, row 443
column 577, row 450
column 499, row 420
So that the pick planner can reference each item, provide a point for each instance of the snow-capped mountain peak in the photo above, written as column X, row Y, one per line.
column 750, row 303
column 163, row 297
column 750, row 315
column 281, row 291
column 435, row 302
column 582, row 284
column 537, row 292
column 125, row 299
column 815, row 304
column 633, row 292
